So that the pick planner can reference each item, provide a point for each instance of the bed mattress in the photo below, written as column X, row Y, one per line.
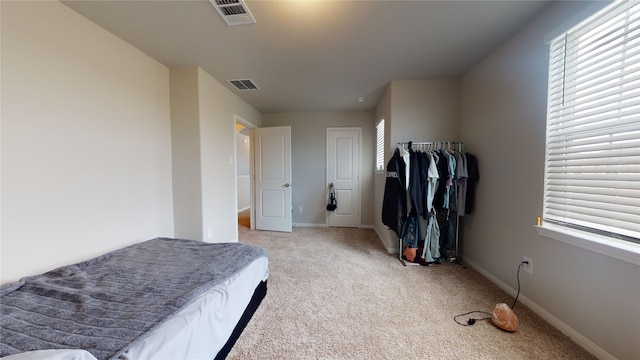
column 206, row 311
column 201, row 330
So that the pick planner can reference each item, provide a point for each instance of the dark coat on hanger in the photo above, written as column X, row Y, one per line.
column 472, row 183
column 416, row 176
column 443, row 171
column 394, row 203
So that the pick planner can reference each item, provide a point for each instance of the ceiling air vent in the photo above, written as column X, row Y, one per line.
column 242, row 85
column 234, row 12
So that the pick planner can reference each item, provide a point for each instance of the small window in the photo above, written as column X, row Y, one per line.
column 380, row 145
column 592, row 160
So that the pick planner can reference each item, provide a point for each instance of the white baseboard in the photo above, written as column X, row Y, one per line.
column 391, row 249
column 244, row 208
column 309, row 225
column 587, row 344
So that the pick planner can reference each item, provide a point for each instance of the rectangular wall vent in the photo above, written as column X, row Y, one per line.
column 234, row 12
column 244, row 84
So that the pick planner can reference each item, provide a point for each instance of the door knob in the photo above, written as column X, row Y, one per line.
column 286, row 185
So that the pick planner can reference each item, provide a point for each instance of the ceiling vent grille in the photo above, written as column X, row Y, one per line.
column 244, row 84
column 234, row 12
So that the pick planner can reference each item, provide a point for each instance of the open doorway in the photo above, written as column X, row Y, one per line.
column 243, row 174
column 266, row 172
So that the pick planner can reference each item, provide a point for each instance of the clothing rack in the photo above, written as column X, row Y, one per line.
column 426, row 146
column 434, row 145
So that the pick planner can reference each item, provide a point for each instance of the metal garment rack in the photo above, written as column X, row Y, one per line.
column 434, row 145
column 426, row 146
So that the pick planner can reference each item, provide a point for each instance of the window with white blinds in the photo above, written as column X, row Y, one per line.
column 592, row 167
column 380, row 145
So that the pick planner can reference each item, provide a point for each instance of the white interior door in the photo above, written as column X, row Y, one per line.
column 343, row 171
column 273, row 178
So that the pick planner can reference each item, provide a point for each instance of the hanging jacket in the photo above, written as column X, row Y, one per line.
column 410, row 232
column 447, row 237
column 394, row 203
column 432, row 181
column 424, row 184
column 472, row 182
column 431, row 249
column 460, row 183
column 443, row 172
column 416, row 189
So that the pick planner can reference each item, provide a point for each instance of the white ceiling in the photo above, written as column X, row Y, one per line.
column 317, row 55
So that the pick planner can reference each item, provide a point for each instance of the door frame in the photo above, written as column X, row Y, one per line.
column 359, row 129
column 252, row 199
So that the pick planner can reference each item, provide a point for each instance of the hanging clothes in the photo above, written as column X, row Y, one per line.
column 416, row 189
column 443, row 175
column 424, row 188
column 450, row 194
column 410, row 233
column 461, row 182
column 473, row 172
column 424, row 184
column 432, row 180
column 394, row 203
column 406, row 157
column 431, row 248
column 447, row 236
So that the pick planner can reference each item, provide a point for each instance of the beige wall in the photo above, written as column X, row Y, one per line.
column 102, row 146
column 185, row 141
column 86, row 144
column 424, row 110
column 244, row 192
column 243, row 167
column 243, row 152
column 308, row 157
column 416, row 110
column 218, row 105
column 590, row 296
column 204, row 131
column 383, row 110
column 86, row 161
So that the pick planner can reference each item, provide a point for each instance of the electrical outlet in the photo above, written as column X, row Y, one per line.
column 300, row 210
column 209, row 233
column 528, row 267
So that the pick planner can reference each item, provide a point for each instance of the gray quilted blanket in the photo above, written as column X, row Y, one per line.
column 110, row 303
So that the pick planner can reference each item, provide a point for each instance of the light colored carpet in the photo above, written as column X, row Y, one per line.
column 335, row 293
